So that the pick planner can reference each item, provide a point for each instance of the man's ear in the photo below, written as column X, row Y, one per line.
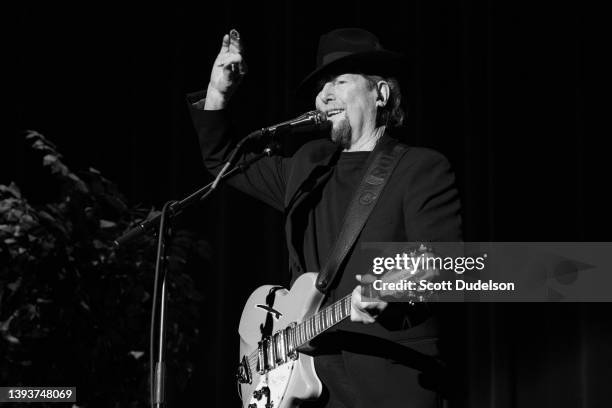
column 382, row 89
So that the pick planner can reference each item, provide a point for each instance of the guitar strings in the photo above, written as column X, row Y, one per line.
column 342, row 304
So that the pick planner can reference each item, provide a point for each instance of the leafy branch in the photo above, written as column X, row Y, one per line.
column 73, row 308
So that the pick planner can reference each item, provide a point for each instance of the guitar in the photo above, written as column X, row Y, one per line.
column 276, row 323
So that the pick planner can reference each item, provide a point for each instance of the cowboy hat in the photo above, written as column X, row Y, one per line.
column 351, row 50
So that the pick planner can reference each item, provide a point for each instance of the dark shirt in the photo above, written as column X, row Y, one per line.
column 330, row 207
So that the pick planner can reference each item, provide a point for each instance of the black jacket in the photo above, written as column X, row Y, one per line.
column 419, row 203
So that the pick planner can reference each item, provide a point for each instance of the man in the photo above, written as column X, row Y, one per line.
column 386, row 356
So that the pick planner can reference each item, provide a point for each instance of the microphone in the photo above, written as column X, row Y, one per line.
column 312, row 118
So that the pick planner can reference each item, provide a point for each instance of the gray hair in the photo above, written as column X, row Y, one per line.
column 392, row 115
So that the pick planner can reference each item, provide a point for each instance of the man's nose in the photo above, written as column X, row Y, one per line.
column 326, row 93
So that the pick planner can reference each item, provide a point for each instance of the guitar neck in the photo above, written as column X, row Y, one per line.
column 325, row 318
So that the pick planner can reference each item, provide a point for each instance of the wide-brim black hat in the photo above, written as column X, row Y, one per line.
column 351, row 50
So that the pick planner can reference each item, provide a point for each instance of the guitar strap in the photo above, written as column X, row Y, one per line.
column 386, row 157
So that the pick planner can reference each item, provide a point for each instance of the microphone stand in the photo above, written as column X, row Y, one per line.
column 170, row 210
column 177, row 207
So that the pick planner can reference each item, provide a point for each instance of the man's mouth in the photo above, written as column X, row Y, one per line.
column 333, row 112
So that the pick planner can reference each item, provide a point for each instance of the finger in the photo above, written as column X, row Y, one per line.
column 235, row 44
column 360, row 316
column 356, row 313
column 225, row 43
column 356, row 296
column 228, row 59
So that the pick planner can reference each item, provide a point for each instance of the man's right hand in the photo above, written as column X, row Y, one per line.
column 227, row 72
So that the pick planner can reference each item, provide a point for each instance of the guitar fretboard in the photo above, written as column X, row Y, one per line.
column 322, row 320
column 276, row 349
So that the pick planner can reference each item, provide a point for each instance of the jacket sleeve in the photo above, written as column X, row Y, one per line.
column 432, row 213
column 264, row 179
column 432, row 210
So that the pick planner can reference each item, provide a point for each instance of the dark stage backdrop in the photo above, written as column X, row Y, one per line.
column 502, row 89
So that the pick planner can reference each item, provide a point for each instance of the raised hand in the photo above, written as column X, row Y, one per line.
column 227, row 72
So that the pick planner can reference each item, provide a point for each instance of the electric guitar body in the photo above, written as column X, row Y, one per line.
column 272, row 373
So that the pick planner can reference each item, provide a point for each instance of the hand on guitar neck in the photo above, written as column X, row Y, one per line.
column 369, row 311
column 361, row 311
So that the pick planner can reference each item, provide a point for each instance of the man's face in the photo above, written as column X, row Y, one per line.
column 350, row 104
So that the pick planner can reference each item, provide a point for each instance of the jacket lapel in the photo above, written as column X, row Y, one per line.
column 312, row 170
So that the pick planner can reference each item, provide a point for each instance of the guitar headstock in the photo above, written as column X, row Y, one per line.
column 404, row 283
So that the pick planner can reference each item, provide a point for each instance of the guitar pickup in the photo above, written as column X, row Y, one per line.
column 290, row 341
column 279, row 347
column 261, row 358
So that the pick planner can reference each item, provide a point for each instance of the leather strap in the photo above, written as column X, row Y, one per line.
column 360, row 208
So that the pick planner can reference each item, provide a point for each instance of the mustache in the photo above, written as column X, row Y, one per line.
column 332, row 108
